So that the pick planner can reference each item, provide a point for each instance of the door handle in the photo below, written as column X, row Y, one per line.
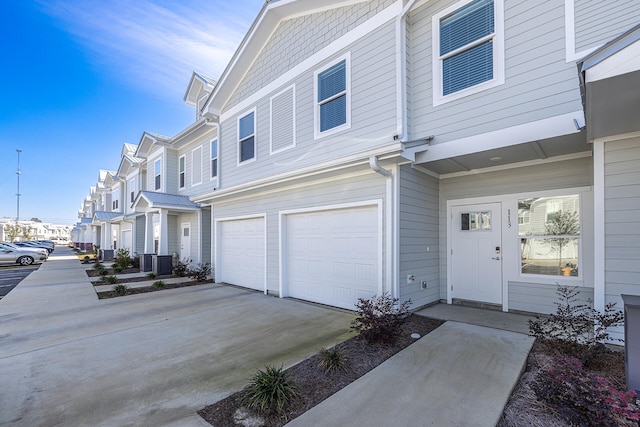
column 497, row 258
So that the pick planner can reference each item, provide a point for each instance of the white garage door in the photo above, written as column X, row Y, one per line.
column 242, row 253
column 333, row 257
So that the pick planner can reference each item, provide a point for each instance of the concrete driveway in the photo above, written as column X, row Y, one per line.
column 67, row 358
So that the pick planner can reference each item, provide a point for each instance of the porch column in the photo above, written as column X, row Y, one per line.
column 163, row 244
column 133, row 248
column 108, row 235
column 148, row 233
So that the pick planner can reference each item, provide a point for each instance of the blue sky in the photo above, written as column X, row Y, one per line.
column 81, row 77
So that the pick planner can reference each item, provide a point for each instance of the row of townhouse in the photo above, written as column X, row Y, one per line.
column 35, row 230
column 440, row 150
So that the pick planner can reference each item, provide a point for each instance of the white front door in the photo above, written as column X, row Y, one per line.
column 476, row 259
column 185, row 241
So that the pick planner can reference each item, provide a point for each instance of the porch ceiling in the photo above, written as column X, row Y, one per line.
column 535, row 150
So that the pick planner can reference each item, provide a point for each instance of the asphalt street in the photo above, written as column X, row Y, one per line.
column 11, row 276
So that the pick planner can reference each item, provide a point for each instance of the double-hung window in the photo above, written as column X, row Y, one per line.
column 181, row 171
column 333, row 98
column 114, row 202
column 157, row 173
column 214, row 159
column 132, row 189
column 247, row 137
column 468, row 46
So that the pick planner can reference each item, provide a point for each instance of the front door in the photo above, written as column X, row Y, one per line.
column 476, row 259
column 185, row 241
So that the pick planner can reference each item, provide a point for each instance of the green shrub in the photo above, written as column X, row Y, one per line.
column 583, row 398
column 117, row 269
column 182, row 267
column 152, row 275
column 332, row 360
column 103, row 272
column 575, row 324
column 380, row 318
column 120, row 289
column 200, row 273
column 111, row 280
column 85, row 259
column 158, row 284
column 123, row 258
column 98, row 266
column 269, row 390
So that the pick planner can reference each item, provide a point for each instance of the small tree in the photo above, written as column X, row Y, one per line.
column 12, row 231
column 561, row 225
column 27, row 233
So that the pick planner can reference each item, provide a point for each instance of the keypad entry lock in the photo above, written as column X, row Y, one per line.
column 497, row 258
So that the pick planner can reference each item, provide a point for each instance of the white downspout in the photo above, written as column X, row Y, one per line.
column 390, row 246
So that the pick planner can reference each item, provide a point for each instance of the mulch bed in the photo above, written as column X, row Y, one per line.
column 146, row 289
column 94, row 273
column 314, row 385
column 133, row 279
column 523, row 408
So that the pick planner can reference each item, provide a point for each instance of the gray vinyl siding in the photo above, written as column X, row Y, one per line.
column 173, row 230
column 373, row 116
column 296, row 39
column 539, row 84
column 541, row 298
column 419, row 221
column 207, row 184
column 597, row 21
column 140, row 230
column 171, row 179
column 205, row 235
column 306, row 193
column 622, row 220
column 548, row 176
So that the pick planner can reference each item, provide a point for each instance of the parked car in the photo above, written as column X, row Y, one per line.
column 30, row 244
column 8, row 245
column 20, row 256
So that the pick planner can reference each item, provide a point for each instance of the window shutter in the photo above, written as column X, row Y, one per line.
column 282, row 111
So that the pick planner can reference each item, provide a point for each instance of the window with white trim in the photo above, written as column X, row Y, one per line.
column 196, row 166
column 157, row 174
column 214, row 159
column 132, row 189
column 182, row 164
column 247, row 137
column 550, row 240
column 333, row 97
column 115, row 196
column 468, row 46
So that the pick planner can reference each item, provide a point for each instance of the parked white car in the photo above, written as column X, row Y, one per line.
column 8, row 245
column 20, row 256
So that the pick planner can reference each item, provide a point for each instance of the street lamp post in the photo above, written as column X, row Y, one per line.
column 18, row 172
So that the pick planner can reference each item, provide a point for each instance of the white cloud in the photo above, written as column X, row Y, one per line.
column 156, row 44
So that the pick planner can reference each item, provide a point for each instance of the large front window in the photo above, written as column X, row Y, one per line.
column 468, row 40
column 550, row 236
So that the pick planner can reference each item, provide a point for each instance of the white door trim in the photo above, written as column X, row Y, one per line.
column 218, row 242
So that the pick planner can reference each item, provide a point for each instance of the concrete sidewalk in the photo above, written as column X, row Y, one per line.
column 458, row 375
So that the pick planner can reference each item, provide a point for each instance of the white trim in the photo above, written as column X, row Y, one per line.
column 317, row 133
column 498, row 54
column 193, row 182
column 255, row 137
column 317, row 58
column 599, row 285
column 570, row 34
column 618, row 137
column 211, row 177
column 322, row 168
column 527, row 132
column 184, row 156
column 282, row 231
column 293, row 119
column 218, row 241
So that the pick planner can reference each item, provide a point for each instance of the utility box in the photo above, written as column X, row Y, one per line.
column 162, row 265
column 146, row 263
column 632, row 340
column 105, row 255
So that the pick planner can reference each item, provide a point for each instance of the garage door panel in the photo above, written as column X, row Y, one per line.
column 332, row 257
column 242, row 253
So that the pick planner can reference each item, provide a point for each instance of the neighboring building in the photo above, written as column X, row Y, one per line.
column 38, row 230
column 419, row 148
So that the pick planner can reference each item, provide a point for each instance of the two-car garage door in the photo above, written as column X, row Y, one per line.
column 329, row 256
column 332, row 256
